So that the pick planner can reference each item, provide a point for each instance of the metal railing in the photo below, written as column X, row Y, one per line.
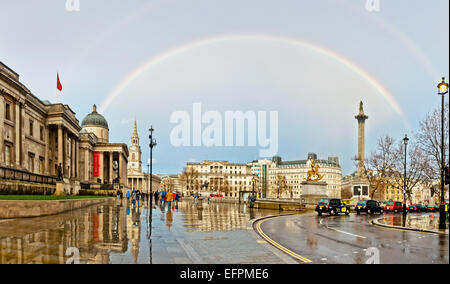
column 19, row 175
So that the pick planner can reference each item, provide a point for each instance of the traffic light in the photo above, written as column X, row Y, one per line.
column 446, row 175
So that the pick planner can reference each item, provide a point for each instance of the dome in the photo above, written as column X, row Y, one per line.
column 95, row 119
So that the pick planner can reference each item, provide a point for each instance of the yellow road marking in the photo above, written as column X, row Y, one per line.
column 277, row 245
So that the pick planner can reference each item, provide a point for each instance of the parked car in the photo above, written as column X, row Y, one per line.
column 432, row 208
column 413, row 208
column 421, row 208
column 332, row 206
column 393, row 206
column 368, row 206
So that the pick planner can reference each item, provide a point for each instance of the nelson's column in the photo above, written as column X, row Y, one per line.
column 360, row 183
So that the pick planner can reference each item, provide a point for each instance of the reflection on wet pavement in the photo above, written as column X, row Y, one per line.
column 116, row 233
column 424, row 221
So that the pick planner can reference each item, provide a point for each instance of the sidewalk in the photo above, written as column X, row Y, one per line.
column 189, row 236
column 415, row 222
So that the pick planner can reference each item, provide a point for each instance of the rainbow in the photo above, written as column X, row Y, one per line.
column 255, row 37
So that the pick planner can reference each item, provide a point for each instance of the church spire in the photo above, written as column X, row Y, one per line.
column 135, row 161
column 135, row 133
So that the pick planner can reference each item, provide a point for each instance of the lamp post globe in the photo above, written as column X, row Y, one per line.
column 443, row 87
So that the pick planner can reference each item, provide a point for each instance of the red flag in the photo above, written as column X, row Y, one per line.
column 58, row 83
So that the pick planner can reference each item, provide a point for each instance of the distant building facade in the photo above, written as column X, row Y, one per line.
column 285, row 177
column 232, row 180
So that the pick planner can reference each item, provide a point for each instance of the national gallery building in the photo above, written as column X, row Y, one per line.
column 41, row 141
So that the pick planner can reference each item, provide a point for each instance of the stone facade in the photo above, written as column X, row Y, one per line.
column 37, row 136
column 289, row 175
column 231, row 180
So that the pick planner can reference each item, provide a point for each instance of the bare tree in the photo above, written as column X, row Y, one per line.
column 429, row 139
column 416, row 166
column 379, row 167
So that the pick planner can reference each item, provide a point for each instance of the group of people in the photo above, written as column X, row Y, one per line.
column 135, row 196
column 169, row 198
column 162, row 197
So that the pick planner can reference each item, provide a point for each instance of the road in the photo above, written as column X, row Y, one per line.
column 350, row 239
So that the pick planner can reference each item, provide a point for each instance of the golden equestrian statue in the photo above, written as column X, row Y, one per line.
column 314, row 172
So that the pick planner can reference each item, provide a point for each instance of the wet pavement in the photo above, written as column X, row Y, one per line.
column 115, row 233
column 417, row 221
column 352, row 239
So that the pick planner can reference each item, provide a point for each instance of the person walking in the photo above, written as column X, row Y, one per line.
column 169, row 199
column 138, row 197
column 177, row 198
column 133, row 197
column 128, row 196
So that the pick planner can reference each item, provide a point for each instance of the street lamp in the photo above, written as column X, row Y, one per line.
column 278, row 191
column 253, row 181
column 152, row 144
column 405, row 140
column 443, row 89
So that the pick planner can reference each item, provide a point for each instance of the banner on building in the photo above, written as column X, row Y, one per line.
column 96, row 164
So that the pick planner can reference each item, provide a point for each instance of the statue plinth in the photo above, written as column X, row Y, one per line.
column 313, row 191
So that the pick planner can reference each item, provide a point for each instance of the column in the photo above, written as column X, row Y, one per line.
column 77, row 152
column 71, row 173
column 2, row 123
column 66, row 164
column 87, row 165
column 101, row 166
column 47, row 150
column 121, row 178
column 60, row 146
column 111, row 170
column 17, row 140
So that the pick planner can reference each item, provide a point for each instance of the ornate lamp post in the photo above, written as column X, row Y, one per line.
column 405, row 140
column 253, row 182
column 152, row 144
column 443, row 89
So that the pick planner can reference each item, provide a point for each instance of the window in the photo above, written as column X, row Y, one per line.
column 31, row 127
column 41, row 133
column 41, row 165
column 8, row 155
column 31, row 162
column 8, row 111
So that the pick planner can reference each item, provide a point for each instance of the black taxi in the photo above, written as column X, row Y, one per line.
column 332, row 206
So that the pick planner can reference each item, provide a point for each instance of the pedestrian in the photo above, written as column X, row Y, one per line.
column 138, row 197
column 128, row 196
column 169, row 199
column 195, row 198
column 177, row 198
column 133, row 197
column 118, row 195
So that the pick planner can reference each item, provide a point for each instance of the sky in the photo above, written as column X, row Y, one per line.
column 312, row 62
